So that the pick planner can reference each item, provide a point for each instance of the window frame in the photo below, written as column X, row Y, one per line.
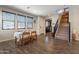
column 21, row 22
column 27, row 22
column 8, row 20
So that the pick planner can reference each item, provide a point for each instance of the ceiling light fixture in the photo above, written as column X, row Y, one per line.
column 60, row 11
column 28, row 7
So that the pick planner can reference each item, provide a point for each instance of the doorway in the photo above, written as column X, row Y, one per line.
column 48, row 26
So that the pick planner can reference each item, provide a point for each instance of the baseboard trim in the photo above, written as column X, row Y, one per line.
column 5, row 40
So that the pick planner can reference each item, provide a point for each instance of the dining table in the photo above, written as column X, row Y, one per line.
column 18, row 36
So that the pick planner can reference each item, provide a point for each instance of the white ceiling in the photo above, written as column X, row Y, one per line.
column 41, row 10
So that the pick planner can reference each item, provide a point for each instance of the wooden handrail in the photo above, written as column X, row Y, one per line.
column 56, row 27
column 69, row 31
column 59, row 20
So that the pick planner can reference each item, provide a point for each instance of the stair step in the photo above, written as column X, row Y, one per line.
column 62, row 38
column 63, row 32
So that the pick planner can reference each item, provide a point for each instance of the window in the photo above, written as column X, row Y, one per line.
column 21, row 21
column 8, row 20
column 29, row 22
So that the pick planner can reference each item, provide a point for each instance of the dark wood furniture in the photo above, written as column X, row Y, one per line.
column 33, row 35
column 25, row 37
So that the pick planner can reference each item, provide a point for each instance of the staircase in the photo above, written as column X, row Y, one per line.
column 63, row 30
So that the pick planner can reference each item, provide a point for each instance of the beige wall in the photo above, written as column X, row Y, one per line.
column 40, row 27
column 74, row 19
column 9, row 34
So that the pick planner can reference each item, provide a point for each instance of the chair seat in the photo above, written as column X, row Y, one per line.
column 25, row 37
column 33, row 35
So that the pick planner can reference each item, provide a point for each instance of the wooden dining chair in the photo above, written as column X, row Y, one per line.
column 33, row 35
column 25, row 37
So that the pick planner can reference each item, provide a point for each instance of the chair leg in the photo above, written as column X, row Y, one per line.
column 23, row 43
